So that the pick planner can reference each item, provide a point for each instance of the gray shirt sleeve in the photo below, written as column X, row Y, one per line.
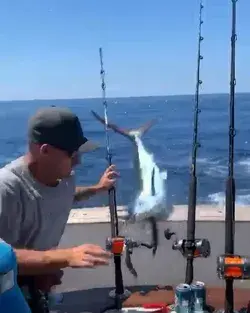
column 10, row 214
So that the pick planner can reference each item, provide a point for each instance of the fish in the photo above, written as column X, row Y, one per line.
column 149, row 203
column 150, row 199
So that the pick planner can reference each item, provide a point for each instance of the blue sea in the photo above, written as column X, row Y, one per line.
column 170, row 140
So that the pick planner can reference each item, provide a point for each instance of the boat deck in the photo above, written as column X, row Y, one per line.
column 87, row 290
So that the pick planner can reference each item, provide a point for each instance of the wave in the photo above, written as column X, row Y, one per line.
column 218, row 171
column 213, row 167
column 207, row 161
column 218, row 167
column 218, row 198
column 245, row 163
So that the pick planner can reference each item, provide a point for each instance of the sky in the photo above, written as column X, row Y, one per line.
column 49, row 49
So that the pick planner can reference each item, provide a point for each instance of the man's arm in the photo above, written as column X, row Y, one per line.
column 83, row 193
column 45, row 262
column 32, row 262
column 29, row 262
column 106, row 182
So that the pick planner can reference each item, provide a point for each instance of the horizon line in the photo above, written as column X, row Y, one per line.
column 124, row 97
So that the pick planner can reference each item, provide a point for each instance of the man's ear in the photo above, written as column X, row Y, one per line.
column 44, row 149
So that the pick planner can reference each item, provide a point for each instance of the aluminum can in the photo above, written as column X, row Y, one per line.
column 183, row 298
column 199, row 296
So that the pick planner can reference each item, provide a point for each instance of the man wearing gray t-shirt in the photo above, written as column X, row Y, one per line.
column 37, row 192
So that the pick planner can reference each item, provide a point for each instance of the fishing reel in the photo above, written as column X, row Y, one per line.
column 201, row 247
column 233, row 267
column 119, row 245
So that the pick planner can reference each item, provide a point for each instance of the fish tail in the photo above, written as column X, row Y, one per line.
column 130, row 134
column 139, row 132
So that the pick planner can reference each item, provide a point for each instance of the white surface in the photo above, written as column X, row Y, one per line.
column 179, row 213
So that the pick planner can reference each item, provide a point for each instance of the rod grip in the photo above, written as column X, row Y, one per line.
column 191, row 208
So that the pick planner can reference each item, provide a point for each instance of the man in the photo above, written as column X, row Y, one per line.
column 37, row 192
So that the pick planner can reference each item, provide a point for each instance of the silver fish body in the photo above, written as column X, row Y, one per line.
column 150, row 199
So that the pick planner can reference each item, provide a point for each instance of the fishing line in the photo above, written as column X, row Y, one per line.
column 193, row 178
column 230, row 184
column 112, row 191
column 119, row 291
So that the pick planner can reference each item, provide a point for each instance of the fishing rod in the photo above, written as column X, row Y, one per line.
column 118, row 244
column 119, row 293
column 226, row 264
column 112, row 191
column 191, row 247
column 231, row 267
column 230, row 184
column 193, row 177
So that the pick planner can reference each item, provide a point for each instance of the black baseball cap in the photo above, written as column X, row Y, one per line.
column 60, row 128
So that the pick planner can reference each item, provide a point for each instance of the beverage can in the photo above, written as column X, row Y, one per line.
column 183, row 298
column 199, row 296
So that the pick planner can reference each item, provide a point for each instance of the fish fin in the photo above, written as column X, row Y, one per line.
column 129, row 133
column 153, row 182
column 164, row 175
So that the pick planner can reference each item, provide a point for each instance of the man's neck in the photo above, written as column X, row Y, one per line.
column 39, row 174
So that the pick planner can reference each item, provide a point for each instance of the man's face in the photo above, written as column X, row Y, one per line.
column 60, row 162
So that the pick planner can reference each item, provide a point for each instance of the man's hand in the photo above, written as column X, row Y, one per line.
column 87, row 255
column 108, row 179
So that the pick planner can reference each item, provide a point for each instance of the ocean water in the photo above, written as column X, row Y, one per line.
column 170, row 140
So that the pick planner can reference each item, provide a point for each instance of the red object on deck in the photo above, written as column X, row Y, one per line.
column 215, row 299
column 163, row 308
